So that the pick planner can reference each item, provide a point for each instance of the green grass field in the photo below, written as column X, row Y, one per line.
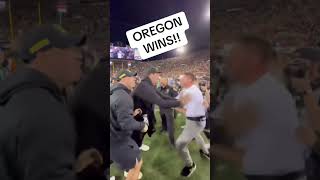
column 224, row 171
column 162, row 162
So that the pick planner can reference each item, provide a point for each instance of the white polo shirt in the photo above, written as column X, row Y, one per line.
column 271, row 147
column 195, row 107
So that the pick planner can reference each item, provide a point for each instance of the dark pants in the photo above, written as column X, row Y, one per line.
column 289, row 176
column 168, row 120
column 313, row 167
column 124, row 152
column 207, row 128
column 164, row 122
column 138, row 136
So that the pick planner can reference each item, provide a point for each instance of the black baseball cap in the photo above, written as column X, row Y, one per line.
column 125, row 73
column 153, row 70
column 45, row 37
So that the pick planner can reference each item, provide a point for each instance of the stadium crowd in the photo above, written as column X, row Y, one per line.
column 197, row 63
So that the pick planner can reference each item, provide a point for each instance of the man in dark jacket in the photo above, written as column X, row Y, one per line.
column 37, row 133
column 123, row 150
column 167, row 113
column 145, row 96
column 88, row 105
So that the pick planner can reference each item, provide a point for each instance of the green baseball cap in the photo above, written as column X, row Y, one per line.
column 153, row 70
column 45, row 37
column 125, row 73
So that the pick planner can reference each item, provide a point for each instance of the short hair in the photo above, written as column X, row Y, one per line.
column 191, row 76
column 259, row 45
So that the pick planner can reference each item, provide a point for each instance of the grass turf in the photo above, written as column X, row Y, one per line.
column 162, row 162
column 224, row 171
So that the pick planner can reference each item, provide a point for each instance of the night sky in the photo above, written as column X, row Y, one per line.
column 128, row 14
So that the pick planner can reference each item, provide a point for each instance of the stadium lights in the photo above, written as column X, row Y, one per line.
column 181, row 50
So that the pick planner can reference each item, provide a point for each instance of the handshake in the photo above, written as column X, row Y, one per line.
column 145, row 119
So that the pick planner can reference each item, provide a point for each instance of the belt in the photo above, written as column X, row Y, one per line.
column 200, row 118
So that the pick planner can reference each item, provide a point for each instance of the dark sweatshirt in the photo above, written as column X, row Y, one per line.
column 122, row 122
column 37, row 134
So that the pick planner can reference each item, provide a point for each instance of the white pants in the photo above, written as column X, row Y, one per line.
column 192, row 130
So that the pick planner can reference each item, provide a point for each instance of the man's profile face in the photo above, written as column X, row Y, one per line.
column 155, row 77
column 239, row 62
column 65, row 65
column 185, row 81
column 72, row 61
column 130, row 82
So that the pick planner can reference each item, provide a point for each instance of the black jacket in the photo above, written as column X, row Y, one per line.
column 145, row 96
column 89, row 108
column 37, row 134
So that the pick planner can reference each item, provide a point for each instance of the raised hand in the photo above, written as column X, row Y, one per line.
column 133, row 174
column 137, row 112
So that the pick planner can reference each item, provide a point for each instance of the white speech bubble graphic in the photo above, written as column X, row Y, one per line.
column 159, row 36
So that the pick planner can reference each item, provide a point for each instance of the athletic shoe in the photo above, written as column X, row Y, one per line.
column 204, row 155
column 187, row 171
column 126, row 175
column 208, row 146
column 144, row 148
column 113, row 178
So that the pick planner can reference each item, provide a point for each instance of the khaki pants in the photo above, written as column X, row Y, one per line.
column 192, row 130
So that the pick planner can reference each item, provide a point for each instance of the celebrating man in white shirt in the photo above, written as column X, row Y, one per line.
column 195, row 123
column 259, row 114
